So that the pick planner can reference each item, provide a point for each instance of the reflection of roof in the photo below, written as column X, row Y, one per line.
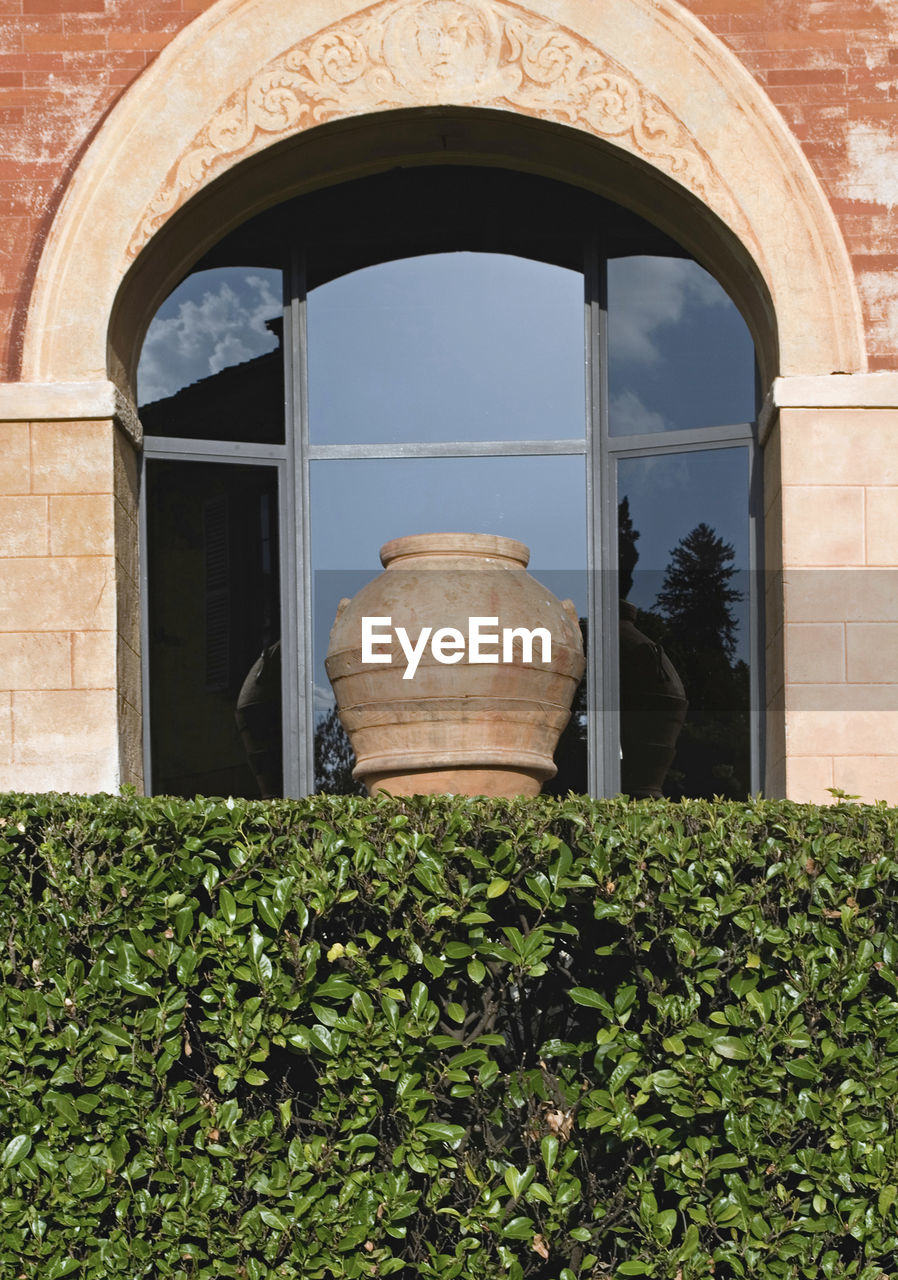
column 242, row 402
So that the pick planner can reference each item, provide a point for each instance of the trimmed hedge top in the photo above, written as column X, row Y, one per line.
column 560, row 1039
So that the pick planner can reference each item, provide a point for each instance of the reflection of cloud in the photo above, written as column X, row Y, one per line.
column 645, row 294
column 644, row 479
column 322, row 701
column 224, row 327
column 662, row 507
column 630, row 417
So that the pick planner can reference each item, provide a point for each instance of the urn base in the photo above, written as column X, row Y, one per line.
column 497, row 783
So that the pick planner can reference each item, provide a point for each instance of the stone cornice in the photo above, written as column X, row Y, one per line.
column 69, row 402
column 828, row 391
column 837, row 391
column 80, row 401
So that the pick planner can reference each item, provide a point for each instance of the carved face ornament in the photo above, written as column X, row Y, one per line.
column 442, row 41
column 450, row 37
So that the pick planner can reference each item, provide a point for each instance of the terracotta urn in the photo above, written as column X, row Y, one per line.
column 438, row 685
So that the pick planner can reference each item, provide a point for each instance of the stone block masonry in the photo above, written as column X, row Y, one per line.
column 69, row 672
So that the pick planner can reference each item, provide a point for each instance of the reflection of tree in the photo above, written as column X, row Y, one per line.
column 696, row 597
column 695, row 605
column 334, row 758
column 627, row 555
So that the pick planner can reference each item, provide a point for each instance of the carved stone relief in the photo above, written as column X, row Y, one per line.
column 405, row 53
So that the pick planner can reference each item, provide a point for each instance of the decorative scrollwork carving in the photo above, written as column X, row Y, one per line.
column 426, row 52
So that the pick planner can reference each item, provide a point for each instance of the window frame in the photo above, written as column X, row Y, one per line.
column 598, row 446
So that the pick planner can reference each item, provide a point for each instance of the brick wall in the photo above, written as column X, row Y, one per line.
column 831, row 68
column 63, row 63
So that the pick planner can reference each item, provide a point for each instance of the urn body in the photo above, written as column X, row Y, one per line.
column 473, row 719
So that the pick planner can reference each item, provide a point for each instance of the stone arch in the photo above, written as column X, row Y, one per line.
column 259, row 99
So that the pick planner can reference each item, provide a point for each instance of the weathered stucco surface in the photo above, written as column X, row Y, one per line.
column 830, row 69
column 645, row 77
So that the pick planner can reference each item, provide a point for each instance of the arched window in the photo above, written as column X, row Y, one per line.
column 445, row 349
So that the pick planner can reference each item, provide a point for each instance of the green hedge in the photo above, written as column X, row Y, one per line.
column 448, row 1038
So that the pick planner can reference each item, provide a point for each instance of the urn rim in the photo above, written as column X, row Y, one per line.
column 492, row 546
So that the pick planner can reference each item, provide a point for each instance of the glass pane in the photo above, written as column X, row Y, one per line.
column 214, row 629
column 679, row 353
column 453, row 346
column 683, row 551
column 212, row 365
column 538, row 501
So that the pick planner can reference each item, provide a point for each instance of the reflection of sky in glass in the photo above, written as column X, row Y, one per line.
column 679, row 353
column 455, row 346
column 214, row 319
column 672, row 493
column 358, row 505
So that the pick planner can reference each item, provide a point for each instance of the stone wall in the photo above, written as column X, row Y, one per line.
column 839, row 472
column 69, row 666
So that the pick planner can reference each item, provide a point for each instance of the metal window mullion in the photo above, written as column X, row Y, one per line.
column 756, row 606
column 214, row 459
column 595, row 657
column 682, row 441
column 448, row 449
column 291, row 688
column 212, row 450
column 144, row 578
column 609, row 590
column 299, row 765
column 286, row 564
